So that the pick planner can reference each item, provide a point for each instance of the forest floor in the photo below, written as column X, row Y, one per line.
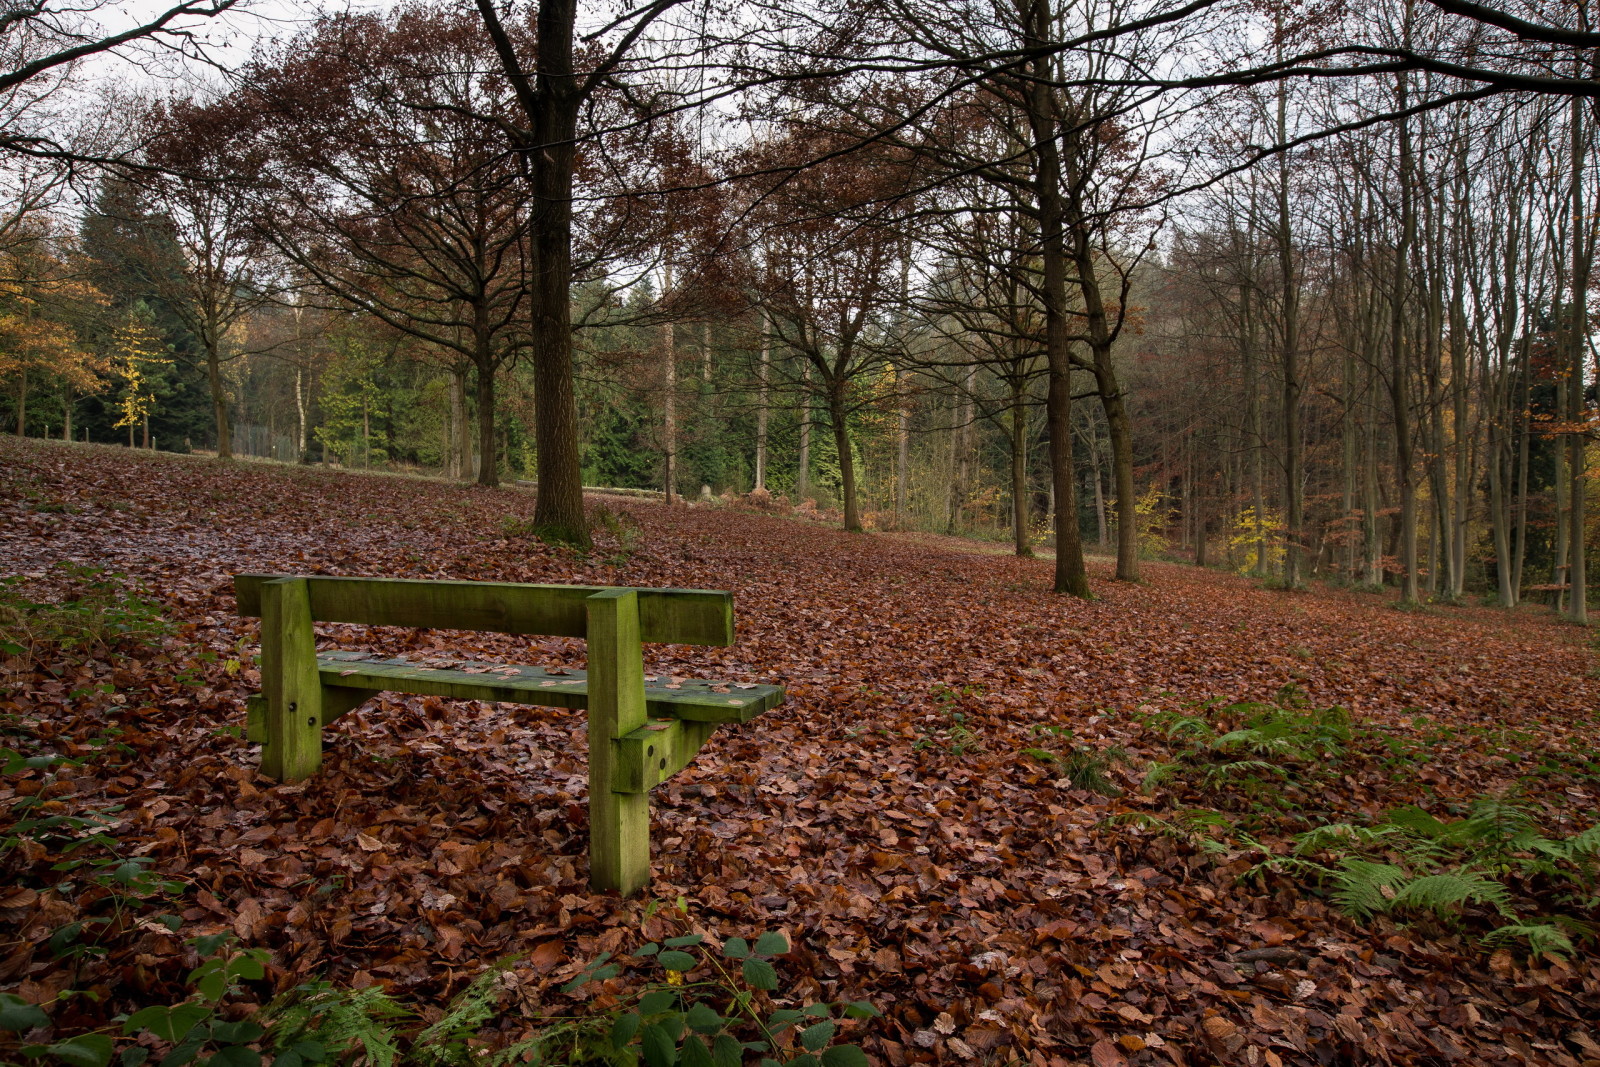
column 953, row 816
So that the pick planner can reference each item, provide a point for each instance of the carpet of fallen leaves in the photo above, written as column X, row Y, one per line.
column 981, row 902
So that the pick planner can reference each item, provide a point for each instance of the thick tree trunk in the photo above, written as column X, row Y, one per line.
column 549, row 94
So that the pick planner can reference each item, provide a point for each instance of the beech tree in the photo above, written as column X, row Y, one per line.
column 382, row 184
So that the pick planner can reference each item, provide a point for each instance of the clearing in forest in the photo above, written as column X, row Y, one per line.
column 1192, row 821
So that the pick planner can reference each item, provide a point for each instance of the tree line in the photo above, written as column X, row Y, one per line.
column 1299, row 287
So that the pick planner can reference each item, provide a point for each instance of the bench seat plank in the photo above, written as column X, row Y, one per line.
column 692, row 700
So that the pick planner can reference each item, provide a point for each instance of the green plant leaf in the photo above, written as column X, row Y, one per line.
column 685, row 941
column 736, row 948
column 657, row 1001
column 235, row 1056
column 18, row 1014
column 136, row 1055
column 844, row 1056
column 817, row 1036
column 206, row 944
column 860, row 1009
column 170, row 1023
column 760, row 974
column 782, row 1018
column 772, row 943
column 817, row 1011
column 624, row 1028
column 236, row 1033
column 649, row 950
column 695, row 1054
column 85, row 1050
column 726, row 1052
column 678, row 961
column 703, row 1019
column 658, row 1047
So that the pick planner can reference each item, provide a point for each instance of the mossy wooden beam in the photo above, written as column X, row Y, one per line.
column 291, row 681
column 336, row 702
column 656, row 751
column 619, row 823
column 679, row 616
column 695, row 700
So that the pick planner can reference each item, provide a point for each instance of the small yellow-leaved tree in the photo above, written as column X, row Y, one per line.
column 135, row 349
column 1256, row 545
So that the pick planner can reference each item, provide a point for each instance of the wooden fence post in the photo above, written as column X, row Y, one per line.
column 619, row 823
column 289, row 678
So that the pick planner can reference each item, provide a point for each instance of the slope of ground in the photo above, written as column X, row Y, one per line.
column 888, row 818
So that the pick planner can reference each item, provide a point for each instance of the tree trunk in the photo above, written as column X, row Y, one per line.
column 460, row 423
column 1019, row 468
column 802, row 478
column 304, row 453
column 847, row 466
column 1293, row 475
column 1578, row 335
column 1070, row 575
column 1399, row 374
column 219, row 401
column 22, row 403
column 549, row 98
column 488, row 447
column 902, row 452
column 669, row 410
column 762, row 412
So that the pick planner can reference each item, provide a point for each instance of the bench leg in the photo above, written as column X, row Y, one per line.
column 290, row 682
column 619, row 823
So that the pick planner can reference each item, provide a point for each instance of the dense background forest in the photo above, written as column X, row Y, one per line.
column 1295, row 288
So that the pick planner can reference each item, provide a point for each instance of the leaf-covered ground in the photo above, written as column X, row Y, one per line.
column 886, row 817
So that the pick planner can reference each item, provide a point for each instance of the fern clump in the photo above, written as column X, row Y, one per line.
column 1414, row 865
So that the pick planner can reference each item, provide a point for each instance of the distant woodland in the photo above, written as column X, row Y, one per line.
column 1300, row 289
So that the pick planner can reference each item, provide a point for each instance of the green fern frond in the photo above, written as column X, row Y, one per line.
column 339, row 1019
column 1440, row 893
column 1222, row 772
column 1494, row 821
column 1585, row 845
column 1540, row 938
column 1157, row 775
column 1339, row 836
column 1363, row 889
column 444, row 1044
column 1413, row 820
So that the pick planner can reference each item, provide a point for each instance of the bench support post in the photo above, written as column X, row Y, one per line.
column 290, row 681
column 619, row 823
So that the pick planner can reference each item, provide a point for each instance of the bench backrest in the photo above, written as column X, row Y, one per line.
column 678, row 616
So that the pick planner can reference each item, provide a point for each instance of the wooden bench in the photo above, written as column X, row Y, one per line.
column 639, row 734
